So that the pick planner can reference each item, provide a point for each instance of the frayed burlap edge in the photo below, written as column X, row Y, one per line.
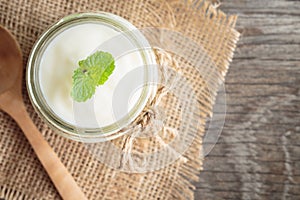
column 184, row 186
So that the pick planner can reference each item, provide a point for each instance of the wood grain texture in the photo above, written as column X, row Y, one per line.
column 258, row 153
column 11, row 102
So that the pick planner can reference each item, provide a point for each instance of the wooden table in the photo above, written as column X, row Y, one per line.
column 258, row 153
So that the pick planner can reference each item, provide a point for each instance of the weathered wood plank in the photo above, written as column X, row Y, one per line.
column 258, row 153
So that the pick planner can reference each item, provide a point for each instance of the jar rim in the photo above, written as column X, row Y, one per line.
column 69, row 130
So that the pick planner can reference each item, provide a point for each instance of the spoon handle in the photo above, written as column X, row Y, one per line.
column 62, row 179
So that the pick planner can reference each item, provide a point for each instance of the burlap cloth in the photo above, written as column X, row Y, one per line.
column 21, row 174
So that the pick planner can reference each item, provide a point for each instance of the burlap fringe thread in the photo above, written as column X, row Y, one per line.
column 189, row 174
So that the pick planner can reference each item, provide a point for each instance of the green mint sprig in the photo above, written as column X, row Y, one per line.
column 92, row 72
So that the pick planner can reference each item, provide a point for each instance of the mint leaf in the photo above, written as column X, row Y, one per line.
column 106, row 73
column 92, row 72
column 83, row 85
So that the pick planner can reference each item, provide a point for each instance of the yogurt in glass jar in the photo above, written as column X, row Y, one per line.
column 115, row 104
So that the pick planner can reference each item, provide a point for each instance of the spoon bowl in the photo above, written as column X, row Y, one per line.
column 11, row 101
column 11, row 60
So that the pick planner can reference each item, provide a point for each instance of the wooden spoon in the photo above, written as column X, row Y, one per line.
column 11, row 101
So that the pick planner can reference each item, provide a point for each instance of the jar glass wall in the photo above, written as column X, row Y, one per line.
column 81, row 133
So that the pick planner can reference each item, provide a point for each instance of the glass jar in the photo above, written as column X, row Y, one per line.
column 72, row 131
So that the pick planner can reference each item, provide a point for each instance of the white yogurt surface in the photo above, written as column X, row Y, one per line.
column 56, row 69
